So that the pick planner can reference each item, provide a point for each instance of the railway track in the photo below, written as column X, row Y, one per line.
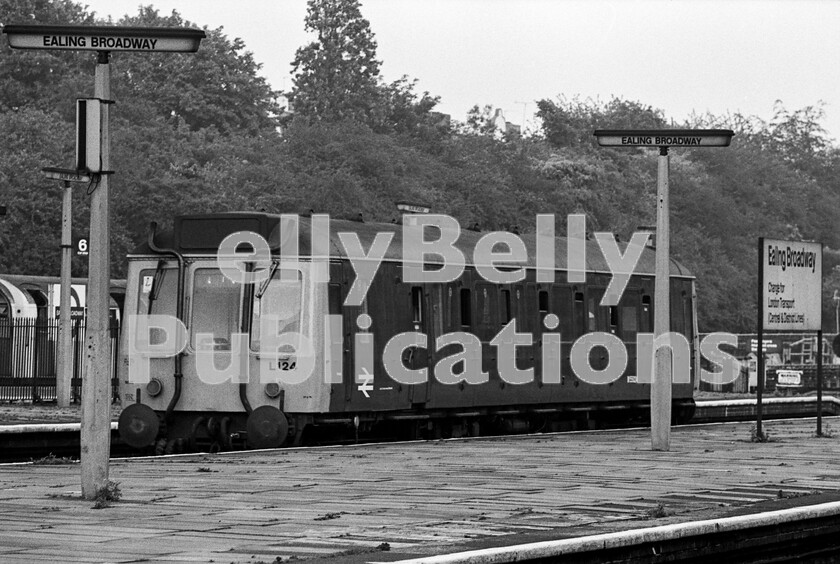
column 22, row 443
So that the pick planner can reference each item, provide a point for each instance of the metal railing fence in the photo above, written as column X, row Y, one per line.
column 29, row 359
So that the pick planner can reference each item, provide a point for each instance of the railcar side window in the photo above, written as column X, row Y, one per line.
column 580, row 314
column 506, row 312
column 215, row 308
column 282, row 299
column 646, row 325
column 417, row 305
column 629, row 323
column 543, row 302
column 335, row 299
column 613, row 319
column 688, row 315
column 466, row 307
column 485, row 300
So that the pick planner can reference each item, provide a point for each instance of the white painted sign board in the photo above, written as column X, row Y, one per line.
column 103, row 38
column 664, row 137
column 792, row 285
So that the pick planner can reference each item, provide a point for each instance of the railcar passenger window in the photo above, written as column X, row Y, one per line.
column 215, row 308
column 629, row 323
column 646, row 325
column 580, row 314
column 543, row 302
column 416, row 305
column 335, row 299
column 281, row 298
column 506, row 313
column 466, row 307
column 688, row 315
column 485, row 301
column 591, row 319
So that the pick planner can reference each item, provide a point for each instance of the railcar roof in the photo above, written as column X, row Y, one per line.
column 201, row 234
column 26, row 280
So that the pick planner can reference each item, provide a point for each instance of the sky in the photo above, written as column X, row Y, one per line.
column 679, row 56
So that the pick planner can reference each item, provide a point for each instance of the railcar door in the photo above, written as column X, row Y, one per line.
column 426, row 309
column 389, row 308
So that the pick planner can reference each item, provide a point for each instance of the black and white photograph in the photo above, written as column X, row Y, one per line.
column 419, row 281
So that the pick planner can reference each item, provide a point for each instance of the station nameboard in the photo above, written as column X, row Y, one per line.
column 792, row 285
column 104, row 38
column 66, row 174
column 664, row 137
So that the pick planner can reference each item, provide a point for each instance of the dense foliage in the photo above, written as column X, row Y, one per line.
column 204, row 132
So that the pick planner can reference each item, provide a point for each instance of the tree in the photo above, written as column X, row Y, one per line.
column 218, row 86
column 42, row 79
column 572, row 122
column 337, row 75
column 30, row 232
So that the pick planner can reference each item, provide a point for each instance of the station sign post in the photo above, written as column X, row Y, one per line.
column 663, row 139
column 789, row 299
column 64, row 364
column 96, row 390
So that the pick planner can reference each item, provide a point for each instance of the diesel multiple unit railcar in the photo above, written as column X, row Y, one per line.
column 177, row 274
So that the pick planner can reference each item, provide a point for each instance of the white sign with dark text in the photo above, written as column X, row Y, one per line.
column 792, row 287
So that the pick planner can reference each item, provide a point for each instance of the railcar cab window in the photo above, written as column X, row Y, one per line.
column 157, row 291
column 215, row 308
column 280, row 296
column 157, row 295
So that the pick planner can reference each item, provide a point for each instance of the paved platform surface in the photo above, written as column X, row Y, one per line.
column 352, row 503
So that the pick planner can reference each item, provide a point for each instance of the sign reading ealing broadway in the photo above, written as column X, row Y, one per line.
column 792, row 285
column 98, row 38
column 664, row 138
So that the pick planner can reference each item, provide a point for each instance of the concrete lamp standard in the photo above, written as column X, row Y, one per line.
column 96, row 392
column 663, row 139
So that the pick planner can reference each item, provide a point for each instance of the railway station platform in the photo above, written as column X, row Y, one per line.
column 389, row 502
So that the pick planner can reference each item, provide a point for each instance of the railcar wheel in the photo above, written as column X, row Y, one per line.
column 267, row 427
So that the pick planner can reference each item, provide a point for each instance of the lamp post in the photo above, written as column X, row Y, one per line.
column 64, row 372
column 96, row 390
column 662, row 139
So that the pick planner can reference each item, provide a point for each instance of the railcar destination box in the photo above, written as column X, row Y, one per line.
column 101, row 38
column 664, row 137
